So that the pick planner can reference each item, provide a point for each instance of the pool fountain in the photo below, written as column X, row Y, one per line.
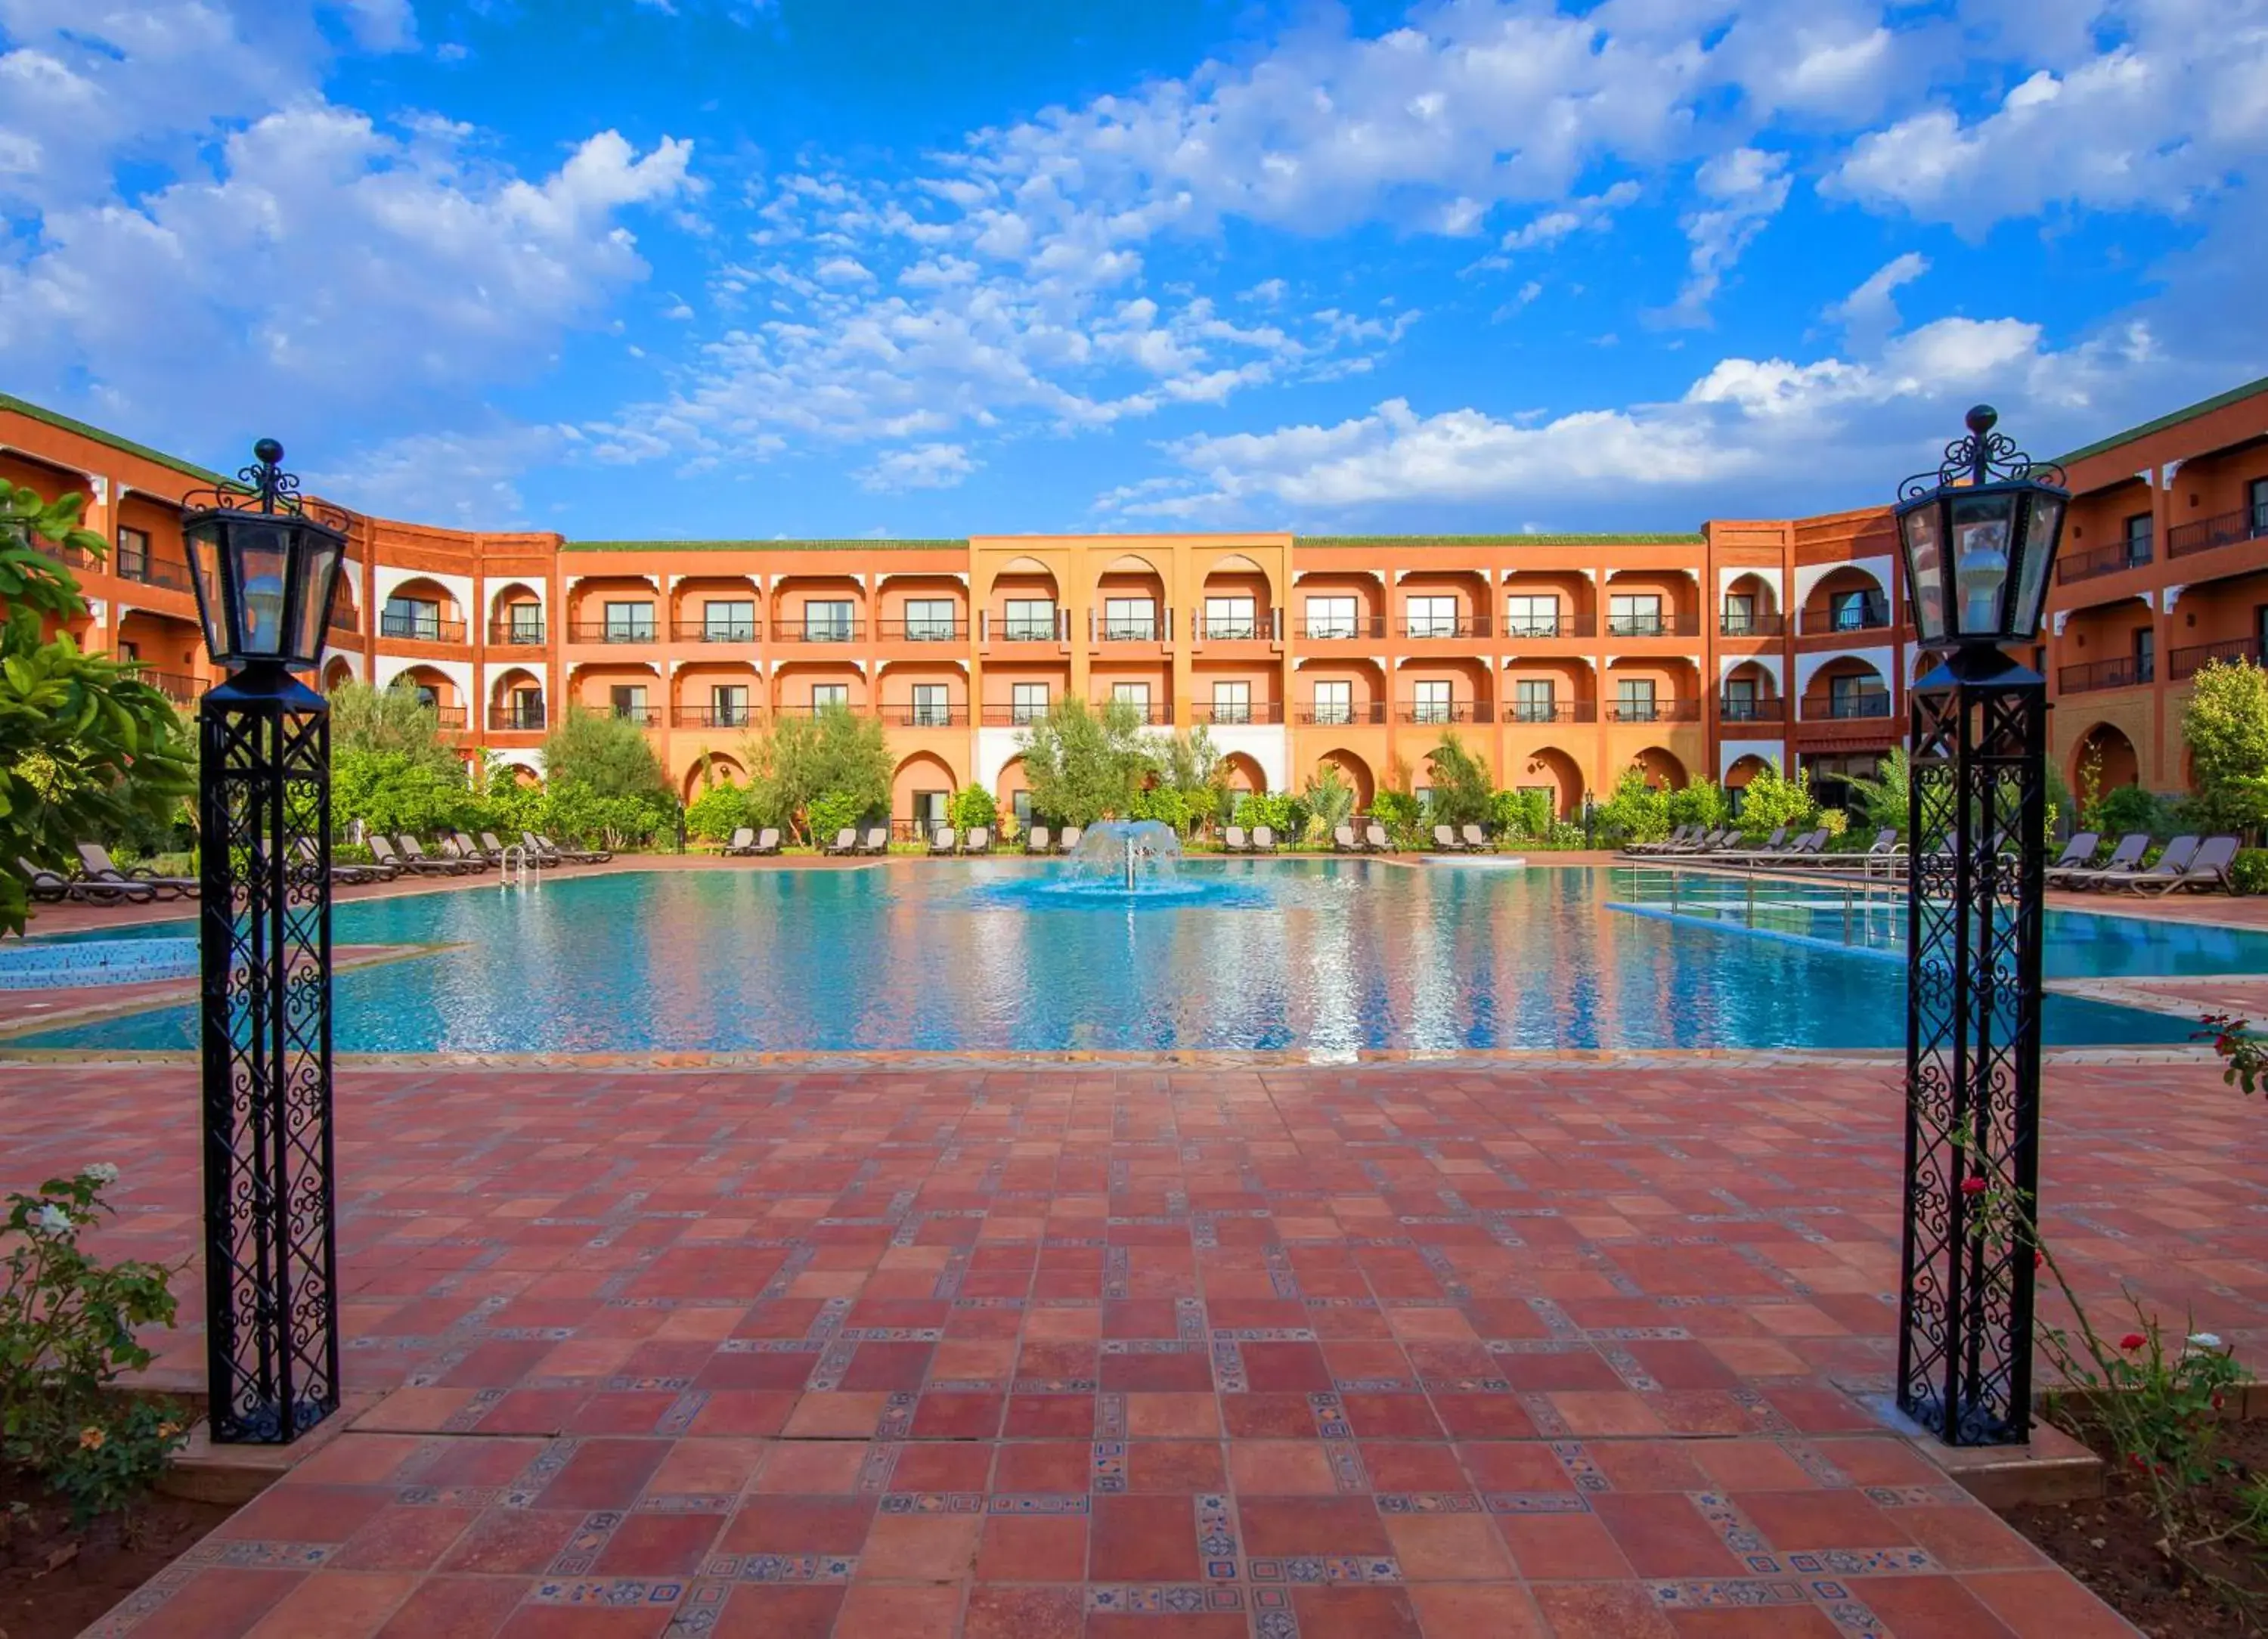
column 1126, row 865
column 1141, row 854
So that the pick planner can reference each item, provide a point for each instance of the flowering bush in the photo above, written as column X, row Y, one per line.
column 2245, row 1055
column 67, row 1330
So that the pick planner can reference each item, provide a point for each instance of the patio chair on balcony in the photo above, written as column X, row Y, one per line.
column 95, row 866
column 845, row 842
column 52, row 887
column 876, row 841
column 744, row 841
column 1263, row 840
column 2175, row 860
column 2207, row 869
column 1474, row 839
column 1233, row 840
column 1445, row 840
column 1037, row 840
column 1069, row 841
column 943, row 841
column 1343, row 839
column 2125, row 859
column 979, row 840
column 1375, row 840
column 579, row 855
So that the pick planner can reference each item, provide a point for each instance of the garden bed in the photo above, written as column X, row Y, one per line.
column 56, row 1582
column 2110, row 1544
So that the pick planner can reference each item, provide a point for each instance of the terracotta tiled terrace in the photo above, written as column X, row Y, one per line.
column 1411, row 1350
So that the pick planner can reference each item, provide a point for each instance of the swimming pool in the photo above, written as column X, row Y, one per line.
column 1317, row 958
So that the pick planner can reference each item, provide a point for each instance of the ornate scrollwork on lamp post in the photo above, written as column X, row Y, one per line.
column 1980, row 538
column 265, row 567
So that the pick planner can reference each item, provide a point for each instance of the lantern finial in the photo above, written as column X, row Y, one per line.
column 1982, row 419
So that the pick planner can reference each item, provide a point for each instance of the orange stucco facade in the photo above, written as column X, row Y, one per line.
column 1562, row 659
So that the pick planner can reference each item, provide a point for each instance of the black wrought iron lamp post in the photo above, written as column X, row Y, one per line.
column 265, row 569
column 1980, row 538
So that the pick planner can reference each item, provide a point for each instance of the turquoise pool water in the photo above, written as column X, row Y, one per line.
column 1322, row 957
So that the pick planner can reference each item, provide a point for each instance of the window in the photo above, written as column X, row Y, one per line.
column 1430, row 617
column 1334, row 702
column 2139, row 529
column 1432, row 703
column 134, row 553
column 827, row 622
column 1533, row 699
column 929, row 811
column 1634, row 614
column 411, row 617
column 523, row 623
column 1531, row 617
column 932, row 706
column 428, row 696
column 728, row 705
column 1634, row 700
column 2145, row 654
column 1739, row 704
column 1739, row 613
column 824, row 695
column 728, row 622
column 1231, row 617
column 930, row 620
column 1134, row 695
column 629, row 623
column 1852, row 611
column 1331, row 617
column 1020, row 805
column 1857, row 696
column 629, row 701
column 1030, row 620
column 2257, row 491
column 1028, row 702
column 1129, row 620
column 1232, row 703
column 525, row 711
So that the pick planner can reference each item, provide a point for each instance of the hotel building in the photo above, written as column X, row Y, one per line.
column 1563, row 660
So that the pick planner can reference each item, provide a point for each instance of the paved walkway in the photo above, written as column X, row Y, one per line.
column 1388, row 1351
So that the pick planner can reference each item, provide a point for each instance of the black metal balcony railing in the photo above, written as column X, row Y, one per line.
column 926, row 717
column 1324, row 629
column 1013, row 716
column 419, row 628
column 1231, row 629
column 1871, row 703
column 1236, row 712
column 1751, row 624
column 715, row 629
column 612, row 632
column 1429, row 711
column 63, row 553
column 2227, row 529
column 1426, row 628
column 1343, row 717
column 645, row 717
column 515, row 719
column 924, row 631
column 2111, row 560
column 1861, row 617
column 345, row 621
column 2126, row 672
column 1734, row 708
column 1645, row 626
column 1025, row 629
column 1127, row 631
column 712, row 717
column 174, row 686
column 516, row 634
column 452, row 719
column 1552, row 711
column 1654, row 711
column 1154, row 714
column 2191, row 661
column 815, row 631
column 134, row 564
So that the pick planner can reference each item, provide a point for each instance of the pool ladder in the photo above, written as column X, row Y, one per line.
column 515, row 864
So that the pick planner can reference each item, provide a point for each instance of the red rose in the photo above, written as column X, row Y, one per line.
column 2039, row 1261
column 2132, row 1342
column 1974, row 1186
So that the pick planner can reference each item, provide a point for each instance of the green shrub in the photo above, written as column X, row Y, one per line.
column 1272, row 809
column 972, row 805
column 1771, row 800
column 1461, row 794
column 1702, row 803
column 2250, row 873
column 718, row 812
column 832, row 812
column 1398, row 813
column 1521, row 815
column 2127, row 808
column 1635, row 813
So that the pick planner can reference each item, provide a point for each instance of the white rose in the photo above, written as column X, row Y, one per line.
column 101, row 1172
column 2204, row 1340
column 51, row 1220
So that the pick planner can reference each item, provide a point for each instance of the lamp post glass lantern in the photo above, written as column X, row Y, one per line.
column 265, row 568
column 1979, row 537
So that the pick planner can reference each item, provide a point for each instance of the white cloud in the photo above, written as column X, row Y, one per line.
column 465, row 479
column 1592, row 212
column 1872, row 309
column 1743, row 189
column 919, row 466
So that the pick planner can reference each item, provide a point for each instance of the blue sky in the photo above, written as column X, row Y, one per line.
column 716, row 268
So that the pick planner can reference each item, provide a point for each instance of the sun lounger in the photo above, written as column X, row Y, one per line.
column 541, row 851
column 1263, row 840
column 979, row 840
column 1445, row 840
column 1675, row 840
column 1343, row 839
column 95, row 866
column 1037, row 840
column 942, row 841
column 52, row 887
column 1233, row 840
column 1375, row 836
column 414, row 852
column 384, row 852
column 877, row 840
column 1805, row 849
column 348, row 875
column 580, row 856
column 2126, row 864
column 452, row 849
column 846, row 842
column 744, row 841
column 768, row 840
column 2126, row 856
column 471, row 849
column 2207, row 869
column 533, row 855
column 1069, row 841
column 2174, row 863
column 1474, row 840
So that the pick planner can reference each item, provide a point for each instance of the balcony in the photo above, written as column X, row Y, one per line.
column 1648, row 626
column 345, row 621
column 516, row 634
column 809, row 631
column 1158, row 716
column 1343, row 717
column 612, row 632
column 63, row 553
column 906, row 717
column 1320, row 629
column 1552, row 711
column 1872, row 615
column 1431, row 628
column 715, row 631
column 151, row 571
column 925, row 631
column 420, row 628
column 2225, row 531
column 645, row 717
column 2110, row 560
column 1442, row 711
column 1751, row 624
column 1237, row 713
column 1053, row 629
column 515, row 719
column 1125, row 631
column 2191, row 661
column 1654, row 711
column 1730, row 710
column 1849, row 706
column 2127, row 672
column 1530, row 626
column 712, row 717
column 451, row 719
column 1013, row 717
column 1235, row 628
column 181, row 689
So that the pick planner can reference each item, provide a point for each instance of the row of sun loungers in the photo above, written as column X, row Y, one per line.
column 101, row 881
column 2187, row 863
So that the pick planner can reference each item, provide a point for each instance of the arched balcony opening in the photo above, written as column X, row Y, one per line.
column 715, row 609
column 1024, row 604
column 1441, row 692
column 516, row 703
column 1648, row 689
column 1541, row 604
column 1847, row 689
column 1130, row 602
column 1751, row 693
column 516, row 616
column 824, row 610
column 1652, row 603
column 1849, row 599
column 1237, row 603
column 422, row 611
column 1750, row 609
